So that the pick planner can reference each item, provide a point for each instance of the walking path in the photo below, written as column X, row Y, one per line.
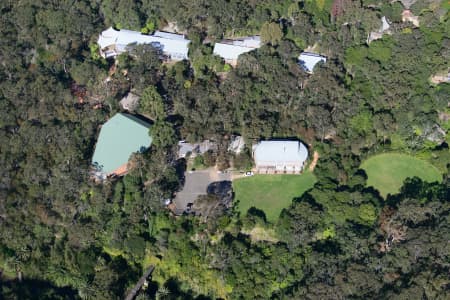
column 313, row 164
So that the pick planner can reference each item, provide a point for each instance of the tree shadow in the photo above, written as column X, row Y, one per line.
column 35, row 289
column 256, row 213
column 172, row 288
column 327, row 246
column 220, row 188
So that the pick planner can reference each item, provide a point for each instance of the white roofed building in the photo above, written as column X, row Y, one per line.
column 384, row 29
column 280, row 157
column 309, row 60
column 230, row 50
column 113, row 42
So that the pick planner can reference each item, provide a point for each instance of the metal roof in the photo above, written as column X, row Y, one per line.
column 232, row 49
column 308, row 60
column 120, row 136
column 173, row 44
column 279, row 152
column 169, row 35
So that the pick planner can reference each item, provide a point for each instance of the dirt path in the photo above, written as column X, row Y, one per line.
column 436, row 79
column 313, row 164
column 236, row 175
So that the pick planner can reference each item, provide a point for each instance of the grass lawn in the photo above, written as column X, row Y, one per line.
column 270, row 193
column 386, row 172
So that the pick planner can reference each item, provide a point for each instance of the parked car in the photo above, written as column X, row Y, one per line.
column 248, row 173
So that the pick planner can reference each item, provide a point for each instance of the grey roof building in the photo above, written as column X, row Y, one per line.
column 193, row 150
column 130, row 101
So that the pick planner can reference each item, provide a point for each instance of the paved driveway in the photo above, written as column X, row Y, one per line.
column 196, row 184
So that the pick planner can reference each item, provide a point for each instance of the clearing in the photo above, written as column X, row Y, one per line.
column 270, row 193
column 261, row 234
column 387, row 172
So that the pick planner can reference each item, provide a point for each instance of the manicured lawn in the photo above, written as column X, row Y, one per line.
column 270, row 193
column 386, row 172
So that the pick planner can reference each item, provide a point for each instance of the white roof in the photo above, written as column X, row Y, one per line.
column 309, row 60
column 169, row 35
column 237, row 144
column 233, row 49
column 250, row 42
column 108, row 37
column 280, row 152
column 173, row 44
column 384, row 24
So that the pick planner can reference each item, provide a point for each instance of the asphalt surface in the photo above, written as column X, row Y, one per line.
column 196, row 183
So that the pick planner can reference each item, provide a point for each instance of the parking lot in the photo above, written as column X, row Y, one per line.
column 196, row 184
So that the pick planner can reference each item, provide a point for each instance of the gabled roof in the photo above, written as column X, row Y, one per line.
column 231, row 50
column 120, row 136
column 174, row 44
column 308, row 60
column 280, row 152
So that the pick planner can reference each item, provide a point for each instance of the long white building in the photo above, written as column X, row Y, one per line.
column 230, row 50
column 280, row 156
column 113, row 42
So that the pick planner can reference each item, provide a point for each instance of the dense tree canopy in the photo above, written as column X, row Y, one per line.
column 64, row 236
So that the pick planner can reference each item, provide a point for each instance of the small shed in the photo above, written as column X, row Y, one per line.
column 237, row 144
column 308, row 61
column 129, row 102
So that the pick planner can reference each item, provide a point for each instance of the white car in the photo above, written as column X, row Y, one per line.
column 248, row 173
